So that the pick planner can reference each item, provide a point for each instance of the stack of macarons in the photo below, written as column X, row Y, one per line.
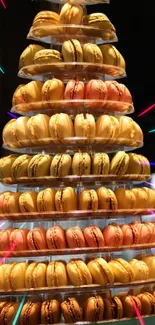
column 66, row 199
column 55, row 90
column 61, row 165
column 56, row 238
column 60, row 129
column 75, row 309
column 20, row 275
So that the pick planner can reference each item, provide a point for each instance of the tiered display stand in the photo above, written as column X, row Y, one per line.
column 84, row 71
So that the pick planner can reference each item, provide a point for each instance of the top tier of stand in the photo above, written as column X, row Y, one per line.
column 81, row 2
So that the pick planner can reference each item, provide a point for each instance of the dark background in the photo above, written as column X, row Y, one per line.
column 135, row 24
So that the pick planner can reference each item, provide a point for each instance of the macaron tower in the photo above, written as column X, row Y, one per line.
column 75, row 176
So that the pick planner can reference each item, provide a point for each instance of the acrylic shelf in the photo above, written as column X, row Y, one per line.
column 76, row 215
column 71, row 70
column 74, row 107
column 74, row 180
column 73, row 145
column 79, row 2
column 57, row 34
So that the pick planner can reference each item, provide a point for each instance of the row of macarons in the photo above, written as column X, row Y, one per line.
column 59, row 128
column 73, row 51
column 76, row 272
column 66, row 199
column 113, row 235
column 61, row 165
column 55, row 89
column 69, row 14
column 73, row 309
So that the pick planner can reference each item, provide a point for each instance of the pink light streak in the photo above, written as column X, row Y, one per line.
column 137, row 312
column 146, row 110
column 3, row 4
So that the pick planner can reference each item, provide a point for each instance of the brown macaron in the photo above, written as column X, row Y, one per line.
column 94, row 309
column 71, row 310
column 50, row 312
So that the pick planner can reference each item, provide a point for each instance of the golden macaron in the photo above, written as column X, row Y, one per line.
column 28, row 201
column 70, row 14
column 112, row 56
column 140, row 269
column 29, row 93
column 126, row 199
column 101, row 271
column 100, row 164
column 81, row 164
column 28, row 54
column 78, row 273
column 107, row 129
column 66, row 199
column 107, row 199
column 44, row 23
column 88, row 200
column 56, row 274
column 61, row 127
column 119, row 163
column 122, row 270
column 19, row 166
column 45, row 200
column 39, row 165
column 92, row 53
column 72, row 51
column 38, row 127
column 85, row 127
column 6, row 165
column 61, row 165
column 47, row 56
column 52, row 90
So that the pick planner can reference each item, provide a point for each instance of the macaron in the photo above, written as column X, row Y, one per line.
column 71, row 310
column 144, row 230
column 131, row 234
column 31, row 313
column 100, row 164
column 141, row 198
column 66, row 199
column 44, row 22
column 18, row 239
column 74, row 91
column 118, row 92
column 17, row 275
column 39, row 165
column 61, row 165
column 122, row 270
column 113, row 308
column 119, row 163
column 138, row 164
column 56, row 274
column 3, row 269
column 36, row 239
column 112, row 56
column 113, row 235
column 45, row 200
column 52, row 90
column 94, row 309
column 35, row 276
column 101, row 271
column 130, row 306
column 150, row 261
column 47, row 57
column 21, row 131
column 126, row 199
column 9, row 312
column 8, row 134
column 98, row 20
column 151, row 227
column 81, row 164
column 92, row 53
column 2, row 304
column 94, row 237
column 11, row 202
column 28, row 201
column 61, row 127
column 140, row 269
column 38, row 127
column 78, row 273
column 4, row 197
column 147, row 302
column 5, row 165
column 151, row 197
column 50, row 312
column 85, row 127
column 27, row 56
column 127, row 129
column 70, row 14
column 107, row 199
column 96, row 90
column 5, row 239
column 72, row 51
column 55, row 238
column 19, row 166
column 88, row 200
column 107, row 129
column 75, row 237
column 29, row 93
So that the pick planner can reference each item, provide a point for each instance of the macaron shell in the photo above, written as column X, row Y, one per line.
column 101, row 271
column 8, row 313
column 66, row 199
column 30, row 313
column 17, row 276
column 94, row 309
column 45, row 200
column 47, row 56
column 94, row 236
column 113, row 235
column 18, row 239
column 75, row 237
column 50, row 311
column 71, row 310
column 88, row 200
column 27, row 201
column 36, row 239
column 107, row 199
column 19, row 166
column 39, row 275
column 55, row 238
column 56, row 274
column 78, row 273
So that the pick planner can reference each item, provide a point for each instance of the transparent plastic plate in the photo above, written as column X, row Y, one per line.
column 83, row 288
column 70, row 70
column 74, row 251
column 72, row 145
column 74, row 180
column 78, row 2
column 73, row 107
column 76, row 215
column 57, row 34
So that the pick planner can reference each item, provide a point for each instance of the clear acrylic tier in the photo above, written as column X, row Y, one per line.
column 78, row 2
column 73, row 107
column 74, row 180
column 73, row 145
column 57, row 34
column 71, row 70
column 76, row 215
